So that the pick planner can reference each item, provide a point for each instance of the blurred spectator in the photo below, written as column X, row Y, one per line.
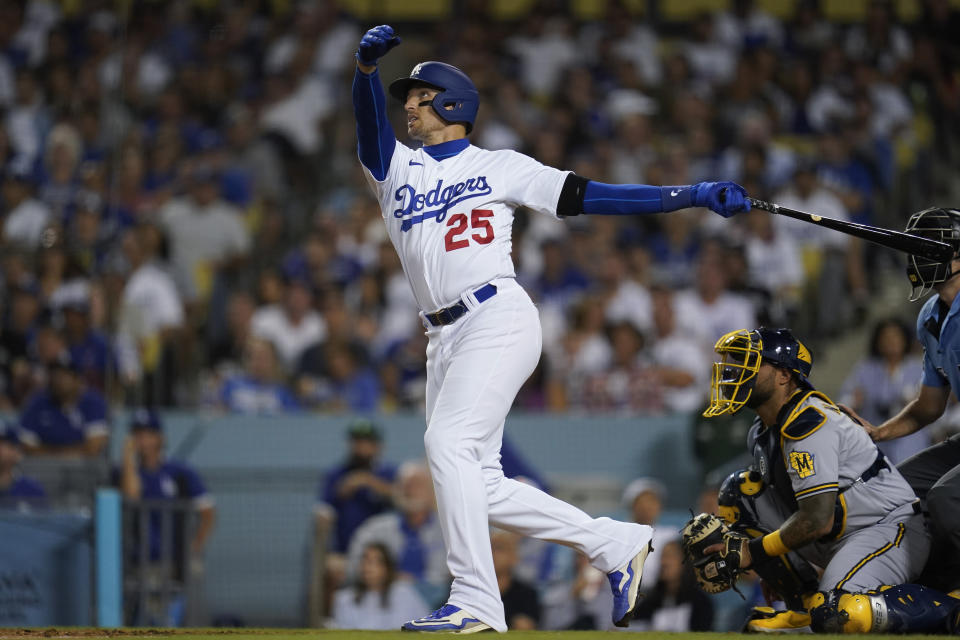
column 585, row 351
column 228, row 351
column 147, row 474
column 411, row 532
column 25, row 217
column 675, row 603
column 629, row 384
column 643, row 498
column 521, row 604
column 258, row 388
column 349, row 384
column 746, row 26
column 886, row 380
column 709, row 310
column 832, row 262
column 360, row 487
column 879, row 40
column 206, row 234
column 16, row 490
column 378, row 599
column 580, row 604
column 88, row 347
column 773, row 259
column 292, row 326
column 680, row 362
column 675, row 251
column 65, row 418
column 151, row 316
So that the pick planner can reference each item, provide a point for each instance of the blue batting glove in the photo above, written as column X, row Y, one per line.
column 725, row 198
column 375, row 44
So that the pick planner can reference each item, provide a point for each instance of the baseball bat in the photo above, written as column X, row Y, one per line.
column 897, row 240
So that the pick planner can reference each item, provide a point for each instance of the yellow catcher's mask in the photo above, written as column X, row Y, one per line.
column 741, row 354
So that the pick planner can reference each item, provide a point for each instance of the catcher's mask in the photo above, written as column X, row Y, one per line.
column 937, row 224
column 741, row 354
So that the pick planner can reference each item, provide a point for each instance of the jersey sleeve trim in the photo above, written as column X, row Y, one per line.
column 820, row 488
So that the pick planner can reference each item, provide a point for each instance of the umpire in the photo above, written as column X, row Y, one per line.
column 934, row 473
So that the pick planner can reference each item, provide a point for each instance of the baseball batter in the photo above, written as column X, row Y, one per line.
column 851, row 512
column 448, row 207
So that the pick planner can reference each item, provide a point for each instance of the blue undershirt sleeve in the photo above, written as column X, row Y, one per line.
column 375, row 138
column 625, row 199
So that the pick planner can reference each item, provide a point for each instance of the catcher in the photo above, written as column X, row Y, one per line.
column 845, row 509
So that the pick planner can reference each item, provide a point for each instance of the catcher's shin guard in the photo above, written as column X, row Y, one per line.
column 904, row 608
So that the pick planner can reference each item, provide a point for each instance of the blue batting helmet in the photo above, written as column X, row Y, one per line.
column 458, row 99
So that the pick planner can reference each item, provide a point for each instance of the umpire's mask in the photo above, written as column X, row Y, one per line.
column 937, row 224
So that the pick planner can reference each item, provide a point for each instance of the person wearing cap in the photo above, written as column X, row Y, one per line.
column 360, row 487
column 147, row 474
column 643, row 498
column 65, row 417
column 26, row 217
column 16, row 489
column 89, row 348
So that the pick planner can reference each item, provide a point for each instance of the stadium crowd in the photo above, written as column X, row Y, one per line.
column 184, row 215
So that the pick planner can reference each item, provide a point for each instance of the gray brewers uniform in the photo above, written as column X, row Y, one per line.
column 878, row 536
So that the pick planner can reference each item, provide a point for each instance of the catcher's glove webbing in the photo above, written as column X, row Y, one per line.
column 716, row 571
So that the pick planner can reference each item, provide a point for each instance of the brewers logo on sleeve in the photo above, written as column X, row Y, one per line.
column 802, row 463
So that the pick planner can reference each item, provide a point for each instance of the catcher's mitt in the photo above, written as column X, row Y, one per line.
column 716, row 571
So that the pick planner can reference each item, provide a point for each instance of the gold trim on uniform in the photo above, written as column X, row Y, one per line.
column 820, row 487
column 879, row 552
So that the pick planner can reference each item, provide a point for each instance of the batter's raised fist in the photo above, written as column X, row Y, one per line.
column 375, row 43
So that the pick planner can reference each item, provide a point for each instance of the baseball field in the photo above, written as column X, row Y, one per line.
column 330, row 634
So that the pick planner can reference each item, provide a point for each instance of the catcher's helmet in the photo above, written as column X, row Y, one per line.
column 458, row 99
column 937, row 224
column 741, row 353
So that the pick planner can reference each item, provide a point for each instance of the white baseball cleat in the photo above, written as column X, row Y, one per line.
column 447, row 619
column 625, row 583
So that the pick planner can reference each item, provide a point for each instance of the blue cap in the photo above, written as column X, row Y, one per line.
column 148, row 419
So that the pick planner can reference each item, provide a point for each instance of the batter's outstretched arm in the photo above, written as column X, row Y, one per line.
column 929, row 405
column 580, row 195
column 375, row 138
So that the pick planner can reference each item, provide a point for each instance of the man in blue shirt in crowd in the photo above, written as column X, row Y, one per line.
column 66, row 417
column 16, row 490
column 89, row 348
column 360, row 487
column 147, row 474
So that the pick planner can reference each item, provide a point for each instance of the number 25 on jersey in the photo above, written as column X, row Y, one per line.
column 478, row 223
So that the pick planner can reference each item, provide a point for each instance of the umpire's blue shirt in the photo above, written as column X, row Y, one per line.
column 941, row 343
column 44, row 422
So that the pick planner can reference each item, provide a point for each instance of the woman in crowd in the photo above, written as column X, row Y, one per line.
column 378, row 600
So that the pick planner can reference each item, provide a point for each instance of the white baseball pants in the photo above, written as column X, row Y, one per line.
column 475, row 367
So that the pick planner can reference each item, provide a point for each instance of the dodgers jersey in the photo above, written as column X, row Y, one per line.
column 450, row 217
column 815, row 448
